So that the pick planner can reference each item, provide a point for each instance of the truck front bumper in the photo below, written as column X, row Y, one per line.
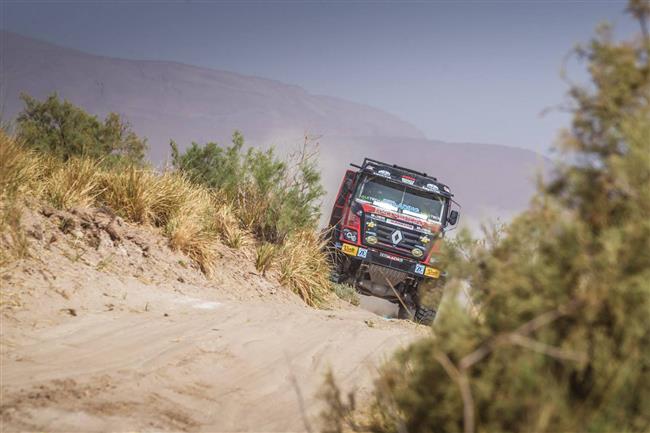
column 388, row 260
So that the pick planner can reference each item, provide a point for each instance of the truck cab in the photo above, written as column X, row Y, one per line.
column 386, row 227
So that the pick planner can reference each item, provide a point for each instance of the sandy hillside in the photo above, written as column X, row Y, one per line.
column 106, row 329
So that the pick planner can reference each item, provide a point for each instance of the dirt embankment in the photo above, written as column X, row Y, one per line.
column 106, row 329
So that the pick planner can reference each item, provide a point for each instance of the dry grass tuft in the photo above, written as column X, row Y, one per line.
column 13, row 241
column 19, row 169
column 189, row 235
column 225, row 224
column 235, row 238
column 170, row 201
column 264, row 257
column 19, row 173
column 189, row 226
column 130, row 193
column 142, row 196
column 74, row 183
column 174, row 195
column 304, row 267
column 252, row 208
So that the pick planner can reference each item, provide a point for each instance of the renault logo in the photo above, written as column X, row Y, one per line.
column 396, row 237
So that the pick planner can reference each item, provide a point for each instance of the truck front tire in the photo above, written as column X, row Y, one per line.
column 421, row 315
column 424, row 316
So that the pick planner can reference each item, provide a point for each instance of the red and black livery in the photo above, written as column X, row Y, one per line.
column 386, row 227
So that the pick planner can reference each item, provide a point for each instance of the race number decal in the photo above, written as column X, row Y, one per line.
column 350, row 250
column 432, row 272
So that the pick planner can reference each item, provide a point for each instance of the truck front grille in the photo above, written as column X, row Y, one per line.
column 407, row 236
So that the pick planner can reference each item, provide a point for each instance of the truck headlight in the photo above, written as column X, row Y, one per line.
column 416, row 252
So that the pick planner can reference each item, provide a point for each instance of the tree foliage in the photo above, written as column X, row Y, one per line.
column 273, row 197
column 64, row 130
column 560, row 341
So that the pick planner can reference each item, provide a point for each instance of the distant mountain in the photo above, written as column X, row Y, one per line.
column 167, row 100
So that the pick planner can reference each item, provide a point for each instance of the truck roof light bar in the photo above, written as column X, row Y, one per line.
column 408, row 170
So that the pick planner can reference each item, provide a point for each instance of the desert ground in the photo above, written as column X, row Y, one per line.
column 104, row 328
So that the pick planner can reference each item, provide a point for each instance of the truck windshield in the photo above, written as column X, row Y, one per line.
column 400, row 198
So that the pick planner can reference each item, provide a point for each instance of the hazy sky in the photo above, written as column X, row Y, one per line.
column 477, row 71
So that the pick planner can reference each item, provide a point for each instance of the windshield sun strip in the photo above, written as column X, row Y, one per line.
column 404, row 190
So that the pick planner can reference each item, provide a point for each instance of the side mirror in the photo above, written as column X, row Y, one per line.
column 345, row 190
column 452, row 219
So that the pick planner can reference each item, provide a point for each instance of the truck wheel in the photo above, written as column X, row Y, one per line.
column 424, row 316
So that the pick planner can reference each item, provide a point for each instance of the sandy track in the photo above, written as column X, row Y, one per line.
column 230, row 366
column 126, row 336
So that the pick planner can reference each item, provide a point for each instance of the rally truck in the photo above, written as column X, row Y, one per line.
column 386, row 227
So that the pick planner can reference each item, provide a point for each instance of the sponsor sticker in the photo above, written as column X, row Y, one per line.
column 408, row 179
column 399, row 224
column 363, row 253
column 419, row 269
column 391, row 257
column 379, row 211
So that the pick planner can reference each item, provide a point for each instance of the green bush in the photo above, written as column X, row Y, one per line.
column 64, row 130
column 346, row 293
column 273, row 198
column 211, row 165
column 560, row 338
